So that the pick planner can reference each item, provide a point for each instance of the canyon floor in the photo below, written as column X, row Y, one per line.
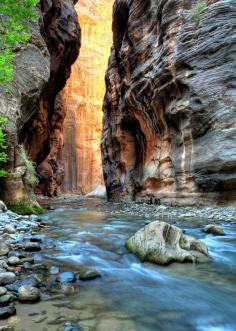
column 90, row 282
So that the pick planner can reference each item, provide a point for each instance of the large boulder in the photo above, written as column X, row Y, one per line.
column 162, row 243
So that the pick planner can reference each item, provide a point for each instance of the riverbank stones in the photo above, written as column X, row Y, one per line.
column 28, row 293
column 28, row 281
column 7, row 278
column 4, row 249
column 13, row 261
column 9, row 229
column 3, row 290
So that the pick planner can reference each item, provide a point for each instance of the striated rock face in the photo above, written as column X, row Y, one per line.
column 34, row 109
column 32, row 70
column 82, row 98
column 43, row 135
column 169, row 130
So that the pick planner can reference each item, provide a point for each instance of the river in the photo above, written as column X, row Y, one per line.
column 131, row 296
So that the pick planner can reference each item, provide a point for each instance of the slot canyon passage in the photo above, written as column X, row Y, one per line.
column 118, row 165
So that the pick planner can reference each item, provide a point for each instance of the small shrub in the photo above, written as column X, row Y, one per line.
column 14, row 29
column 31, row 178
column 197, row 9
column 3, row 155
column 24, row 209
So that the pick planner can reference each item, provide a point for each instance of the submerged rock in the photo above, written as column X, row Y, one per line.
column 32, row 247
column 66, row 277
column 28, row 293
column 54, row 270
column 214, row 229
column 88, row 274
column 6, row 312
column 162, row 243
column 28, row 281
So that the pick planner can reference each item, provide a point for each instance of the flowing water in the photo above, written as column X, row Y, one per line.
column 131, row 296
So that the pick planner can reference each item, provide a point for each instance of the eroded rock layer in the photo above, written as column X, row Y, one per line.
column 82, row 98
column 43, row 134
column 169, row 130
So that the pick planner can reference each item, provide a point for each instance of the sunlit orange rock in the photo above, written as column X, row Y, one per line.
column 83, row 97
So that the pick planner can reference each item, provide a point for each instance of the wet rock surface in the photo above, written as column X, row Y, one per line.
column 162, row 243
column 214, row 229
column 28, row 293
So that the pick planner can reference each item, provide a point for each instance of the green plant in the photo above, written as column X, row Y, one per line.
column 25, row 209
column 3, row 155
column 31, row 178
column 14, row 29
column 197, row 10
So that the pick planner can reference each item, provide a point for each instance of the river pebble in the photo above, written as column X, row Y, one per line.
column 28, row 293
column 7, row 278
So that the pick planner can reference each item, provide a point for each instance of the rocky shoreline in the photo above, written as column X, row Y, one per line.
column 19, row 240
column 24, row 277
column 145, row 210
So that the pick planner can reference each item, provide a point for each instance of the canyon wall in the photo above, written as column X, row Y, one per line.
column 33, row 107
column 82, row 98
column 169, row 131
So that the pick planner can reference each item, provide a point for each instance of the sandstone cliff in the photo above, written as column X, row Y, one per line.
column 169, row 130
column 34, row 109
column 82, row 98
column 20, row 104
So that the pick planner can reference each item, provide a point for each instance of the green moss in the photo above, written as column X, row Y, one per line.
column 24, row 209
column 197, row 10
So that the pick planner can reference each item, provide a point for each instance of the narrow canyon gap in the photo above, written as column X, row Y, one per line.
column 83, row 97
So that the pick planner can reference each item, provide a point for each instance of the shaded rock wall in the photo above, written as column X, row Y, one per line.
column 43, row 135
column 82, row 98
column 20, row 105
column 33, row 107
column 169, row 130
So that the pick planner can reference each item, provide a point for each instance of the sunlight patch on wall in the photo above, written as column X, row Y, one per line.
column 83, row 98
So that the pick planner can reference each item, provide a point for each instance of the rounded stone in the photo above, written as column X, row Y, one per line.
column 214, row 229
column 4, row 249
column 28, row 293
column 13, row 260
column 7, row 311
column 89, row 275
column 9, row 229
column 7, row 298
column 7, row 278
column 3, row 290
